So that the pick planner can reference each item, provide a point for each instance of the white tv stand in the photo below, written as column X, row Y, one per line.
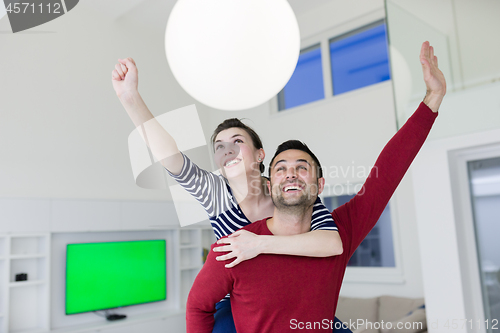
column 36, row 305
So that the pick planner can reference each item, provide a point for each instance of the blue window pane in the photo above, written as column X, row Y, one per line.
column 377, row 249
column 306, row 83
column 359, row 60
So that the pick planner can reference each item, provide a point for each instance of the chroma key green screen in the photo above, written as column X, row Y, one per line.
column 107, row 275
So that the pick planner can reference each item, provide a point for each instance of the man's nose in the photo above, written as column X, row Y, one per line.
column 291, row 173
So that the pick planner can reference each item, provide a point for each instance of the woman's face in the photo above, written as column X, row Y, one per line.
column 235, row 154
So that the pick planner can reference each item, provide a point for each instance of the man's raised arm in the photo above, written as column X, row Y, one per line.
column 363, row 211
column 211, row 285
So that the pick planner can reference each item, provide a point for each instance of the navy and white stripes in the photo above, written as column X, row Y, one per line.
column 214, row 194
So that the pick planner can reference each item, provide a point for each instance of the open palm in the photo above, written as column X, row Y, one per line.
column 433, row 77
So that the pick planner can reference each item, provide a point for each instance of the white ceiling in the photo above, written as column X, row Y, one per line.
column 303, row 6
column 113, row 8
column 153, row 14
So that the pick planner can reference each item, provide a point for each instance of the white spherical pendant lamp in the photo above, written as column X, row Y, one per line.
column 232, row 54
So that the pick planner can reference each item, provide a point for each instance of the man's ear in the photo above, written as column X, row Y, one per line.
column 268, row 185
column 321, row 185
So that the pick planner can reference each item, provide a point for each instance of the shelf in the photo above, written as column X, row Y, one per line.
column 28, row 245
column 33, row 330
column 207, row 238
column 26, row 283
column 28, row 304
column 136, row 319
column 188, row 246
column 27, row 256
column 190, row 267
column 191, row 256
column 3, row 248
column 36, row 268
column 189, row 237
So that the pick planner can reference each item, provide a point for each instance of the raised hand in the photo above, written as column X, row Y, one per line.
column 125, row 77
column 433, row 77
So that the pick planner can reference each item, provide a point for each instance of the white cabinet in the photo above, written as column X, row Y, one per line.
column 24, row 304
column 194, row 244
column 173, row 321
column 171, row 324
column 4, row 278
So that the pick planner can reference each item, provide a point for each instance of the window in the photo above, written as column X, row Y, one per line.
column 359, row 58
column 484, row 178
column 377, row 249
column 306, row 83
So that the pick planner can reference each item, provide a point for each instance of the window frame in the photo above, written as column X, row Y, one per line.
column 353, row 33
column 281, row 99
column 323, row 39
column 388, row 275
column 465, row 225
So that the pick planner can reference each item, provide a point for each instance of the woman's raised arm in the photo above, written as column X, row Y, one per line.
column 161, row 143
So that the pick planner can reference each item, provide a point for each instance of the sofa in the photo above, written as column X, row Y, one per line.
column 384, row 314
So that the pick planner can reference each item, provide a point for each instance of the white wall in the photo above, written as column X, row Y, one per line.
column 22, row 215
column 468, row 26
column 64, row 164
column 442, row 265
column 460, row 33
column 63, row 131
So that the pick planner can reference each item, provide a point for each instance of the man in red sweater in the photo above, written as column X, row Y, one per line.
column 278, row 293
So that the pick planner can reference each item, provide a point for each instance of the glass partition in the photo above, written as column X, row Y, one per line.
column 406, row 33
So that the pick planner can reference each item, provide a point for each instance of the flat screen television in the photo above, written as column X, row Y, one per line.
column 108, row 275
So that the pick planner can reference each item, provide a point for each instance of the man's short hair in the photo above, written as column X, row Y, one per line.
column 296, row 145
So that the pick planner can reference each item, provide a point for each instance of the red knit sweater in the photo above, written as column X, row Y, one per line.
column 281, row 293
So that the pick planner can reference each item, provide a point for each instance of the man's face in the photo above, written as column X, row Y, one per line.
column 294, row 181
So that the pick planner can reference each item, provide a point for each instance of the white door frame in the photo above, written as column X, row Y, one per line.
column 466, row 236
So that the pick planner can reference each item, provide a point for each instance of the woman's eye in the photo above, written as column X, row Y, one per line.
column 238, row 141
column 218, row 146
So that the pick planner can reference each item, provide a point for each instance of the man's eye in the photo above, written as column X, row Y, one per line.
column 280, row 169
column 302, row 167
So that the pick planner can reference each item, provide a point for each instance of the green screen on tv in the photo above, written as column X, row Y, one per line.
column 107, row 275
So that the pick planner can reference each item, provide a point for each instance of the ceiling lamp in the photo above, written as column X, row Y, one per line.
column 232, row 54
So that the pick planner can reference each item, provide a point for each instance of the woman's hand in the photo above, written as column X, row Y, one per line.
column 125, row 78
column 242, row 245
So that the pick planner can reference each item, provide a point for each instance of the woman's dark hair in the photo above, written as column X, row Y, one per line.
column 296, row 145
column 235, row 122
